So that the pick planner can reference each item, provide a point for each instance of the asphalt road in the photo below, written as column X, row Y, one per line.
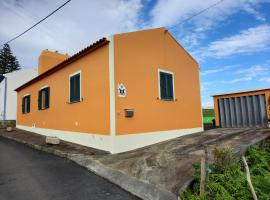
column 27, row 174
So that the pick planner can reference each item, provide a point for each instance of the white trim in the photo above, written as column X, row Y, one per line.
column 168, row 72
column 27, row 94
column 23, row 102
column 112, row 85
column 120, row 143
column 97, row 141
column 129, row 142
column 43, row 87
column 73, row 74
column 200, row 95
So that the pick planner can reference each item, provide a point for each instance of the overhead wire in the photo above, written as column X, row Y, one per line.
column 19, row 35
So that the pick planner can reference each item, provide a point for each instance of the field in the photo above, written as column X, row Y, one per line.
column 208, row 116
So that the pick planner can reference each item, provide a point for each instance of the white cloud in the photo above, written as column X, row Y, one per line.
column 208, row 104
column 250, row 9
column 253, row 71
column 252, row 40
column 72, row 28
column 170, row 12
column 218, row 70
column 265, row 79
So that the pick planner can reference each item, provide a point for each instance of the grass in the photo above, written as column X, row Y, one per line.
column 208, row 120
column 227, row 177
column 208, row 116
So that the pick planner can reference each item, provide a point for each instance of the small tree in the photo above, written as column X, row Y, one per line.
column 8, row 62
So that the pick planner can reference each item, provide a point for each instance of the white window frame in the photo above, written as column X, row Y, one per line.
column 73, row 74
column 43, row 87
column 25, row 95
column 159, row 94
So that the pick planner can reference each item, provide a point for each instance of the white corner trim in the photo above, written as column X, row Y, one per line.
column 73, row 74
column 97, row 141
column 112, row 85
column 129, row 142
column 200, row 95
column 168, row 72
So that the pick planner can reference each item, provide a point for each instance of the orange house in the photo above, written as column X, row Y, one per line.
column 121, row 93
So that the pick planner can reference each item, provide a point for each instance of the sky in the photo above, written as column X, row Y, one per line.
column 231, row 41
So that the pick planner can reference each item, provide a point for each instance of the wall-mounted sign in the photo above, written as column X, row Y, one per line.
column 122, row 91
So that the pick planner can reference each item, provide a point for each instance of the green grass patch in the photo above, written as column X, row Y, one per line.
column 208, row 116
column 208, row 120
column 227, row 177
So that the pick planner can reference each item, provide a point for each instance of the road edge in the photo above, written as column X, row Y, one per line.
column 143, row 190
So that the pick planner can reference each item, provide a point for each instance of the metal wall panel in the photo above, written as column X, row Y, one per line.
column 250, row 111
column 232, row 112
column 239, row 121
column 256, row 110
column 262, row 106
column 243, row 103
column 221, row 112
column 244, row 111
column 227, row 112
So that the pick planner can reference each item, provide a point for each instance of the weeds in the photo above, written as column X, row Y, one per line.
column 227, row 180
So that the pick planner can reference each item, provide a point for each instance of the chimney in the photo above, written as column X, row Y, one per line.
column 49, row 59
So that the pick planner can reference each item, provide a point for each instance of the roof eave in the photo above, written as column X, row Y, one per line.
column 66, row 62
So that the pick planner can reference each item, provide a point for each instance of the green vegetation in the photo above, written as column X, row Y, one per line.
column 208, row 116
column 227, row 177
column 8, row 62
column 208, row 120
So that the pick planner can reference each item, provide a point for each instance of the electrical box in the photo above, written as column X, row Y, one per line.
column 129, row 112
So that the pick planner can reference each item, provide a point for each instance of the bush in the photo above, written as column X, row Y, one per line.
column 227, row 180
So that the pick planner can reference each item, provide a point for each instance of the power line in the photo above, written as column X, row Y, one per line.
column 196, row 14
column 37, row 23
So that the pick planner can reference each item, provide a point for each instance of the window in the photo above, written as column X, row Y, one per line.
column 75, row 87
column 166, row 85
column 26, row 104
column 44, row 98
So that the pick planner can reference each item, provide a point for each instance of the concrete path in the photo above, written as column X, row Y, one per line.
column 156, row 172
column 34, row 175
column 168, row 165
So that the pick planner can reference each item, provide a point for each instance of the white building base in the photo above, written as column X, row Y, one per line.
column 113, row 144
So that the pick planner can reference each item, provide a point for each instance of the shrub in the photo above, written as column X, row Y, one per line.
column 227, row 180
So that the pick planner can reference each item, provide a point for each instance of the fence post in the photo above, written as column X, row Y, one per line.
column 204, row 171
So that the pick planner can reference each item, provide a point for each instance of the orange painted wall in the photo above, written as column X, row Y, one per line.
column 138, row 56
column 49, row 59
column 266, row 92
column 92, row 114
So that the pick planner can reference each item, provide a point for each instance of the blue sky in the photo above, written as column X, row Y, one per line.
column 230, row 41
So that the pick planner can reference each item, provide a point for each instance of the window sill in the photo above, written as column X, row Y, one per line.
column 25, row 113
column 166, row 99
column 43, row 109
column 72, row 102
